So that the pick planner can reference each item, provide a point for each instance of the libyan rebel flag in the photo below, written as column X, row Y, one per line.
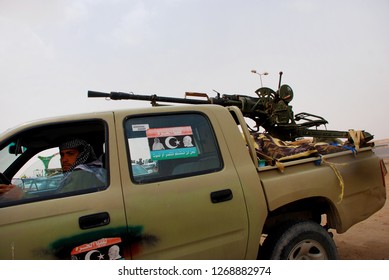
column 171, row 143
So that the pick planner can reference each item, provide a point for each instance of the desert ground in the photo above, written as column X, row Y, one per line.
column 369, row 239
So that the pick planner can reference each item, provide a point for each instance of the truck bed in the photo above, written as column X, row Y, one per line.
column 343, row 180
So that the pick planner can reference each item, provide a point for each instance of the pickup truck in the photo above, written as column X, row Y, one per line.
column 207, row 199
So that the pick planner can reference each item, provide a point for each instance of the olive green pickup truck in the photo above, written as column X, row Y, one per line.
column 182, row 183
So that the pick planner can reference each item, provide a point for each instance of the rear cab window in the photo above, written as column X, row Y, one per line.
column 164, row 147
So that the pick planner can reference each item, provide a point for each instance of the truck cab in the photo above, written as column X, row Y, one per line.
column 190, row 204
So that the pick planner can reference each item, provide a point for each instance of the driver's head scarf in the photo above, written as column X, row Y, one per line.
column 86, row 155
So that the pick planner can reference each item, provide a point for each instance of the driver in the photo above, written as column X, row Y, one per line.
column 80, row 166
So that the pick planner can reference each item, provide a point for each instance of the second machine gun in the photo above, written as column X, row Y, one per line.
column 269, row 110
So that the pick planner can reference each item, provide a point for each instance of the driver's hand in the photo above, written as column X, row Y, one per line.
column 10, row 192
column 5, row 188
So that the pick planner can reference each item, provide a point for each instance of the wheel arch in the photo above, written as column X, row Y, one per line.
column 312, row 208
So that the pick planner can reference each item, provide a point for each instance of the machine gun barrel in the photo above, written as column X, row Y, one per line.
column 154, row 98
column 151, row 98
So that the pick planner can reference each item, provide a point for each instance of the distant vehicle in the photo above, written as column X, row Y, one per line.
column 40, row 184
column 138, row 170
column 150, row 166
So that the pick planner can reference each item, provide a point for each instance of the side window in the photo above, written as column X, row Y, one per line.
column 31, row 168
column 164, row 147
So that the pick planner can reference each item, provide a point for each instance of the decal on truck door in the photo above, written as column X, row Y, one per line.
column 102, row 249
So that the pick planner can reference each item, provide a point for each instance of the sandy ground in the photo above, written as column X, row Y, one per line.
column 369, row 239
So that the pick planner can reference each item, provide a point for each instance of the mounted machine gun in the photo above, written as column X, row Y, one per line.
column 269, row 110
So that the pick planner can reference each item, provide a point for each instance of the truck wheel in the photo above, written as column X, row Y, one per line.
column 302, row 240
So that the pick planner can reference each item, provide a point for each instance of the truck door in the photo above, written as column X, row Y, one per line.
column 46, row 223
column 182, row 195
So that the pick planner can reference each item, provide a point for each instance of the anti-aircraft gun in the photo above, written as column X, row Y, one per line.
column 269, row 109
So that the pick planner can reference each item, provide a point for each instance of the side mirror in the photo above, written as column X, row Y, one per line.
column 16, row 148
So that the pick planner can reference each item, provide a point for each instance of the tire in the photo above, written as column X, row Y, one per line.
column 301, row 240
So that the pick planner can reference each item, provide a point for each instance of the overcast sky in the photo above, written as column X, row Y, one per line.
column 334, row 54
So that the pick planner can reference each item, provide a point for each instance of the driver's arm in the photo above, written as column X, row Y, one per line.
column 10, row 192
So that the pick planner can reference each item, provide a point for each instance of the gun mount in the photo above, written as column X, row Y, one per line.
column 269, row 110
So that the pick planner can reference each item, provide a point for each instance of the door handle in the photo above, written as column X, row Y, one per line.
column 94, row 220
column 221, row 196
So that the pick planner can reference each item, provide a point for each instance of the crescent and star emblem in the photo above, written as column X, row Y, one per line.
column 172, row 142
column 89, row 254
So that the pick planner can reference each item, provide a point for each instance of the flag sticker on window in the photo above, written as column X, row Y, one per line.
column 171, row 143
